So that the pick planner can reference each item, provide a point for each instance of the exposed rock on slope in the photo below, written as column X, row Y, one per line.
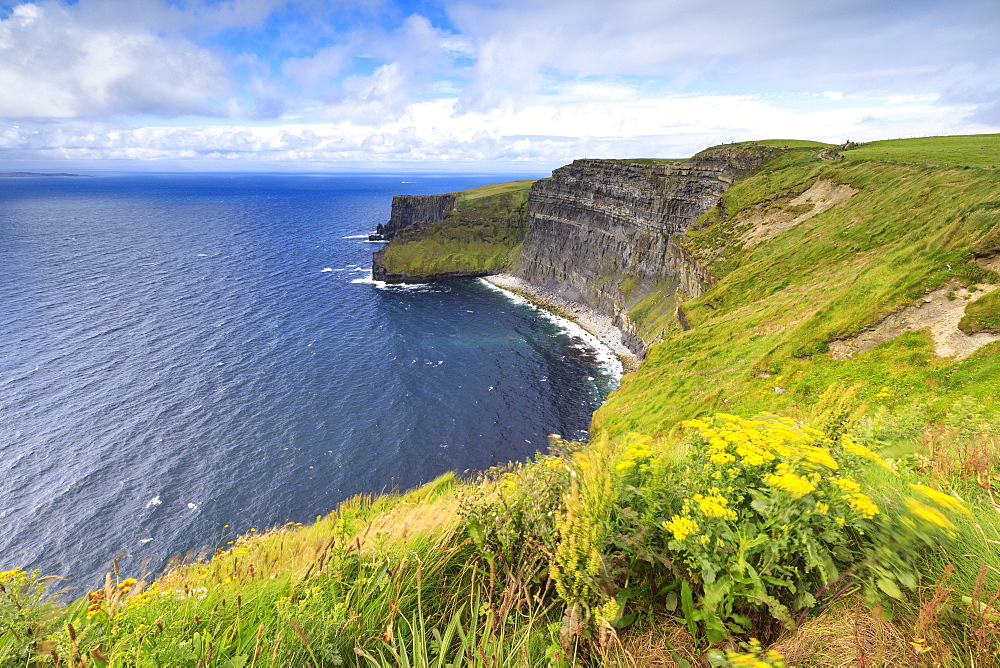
column 460, row 235
column 415, row 209
column 939, row 312
column 601, row 232
column 822, row 196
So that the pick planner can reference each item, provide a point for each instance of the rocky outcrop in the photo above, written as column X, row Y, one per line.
column 603, row 232
column 415, row 209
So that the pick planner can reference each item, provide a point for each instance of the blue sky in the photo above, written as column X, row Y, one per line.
column 504, row 85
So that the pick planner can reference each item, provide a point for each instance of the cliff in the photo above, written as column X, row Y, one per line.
column 410, row 210
column 603, row 232
column 460, row 235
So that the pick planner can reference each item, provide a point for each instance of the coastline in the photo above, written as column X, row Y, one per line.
column 596, row 323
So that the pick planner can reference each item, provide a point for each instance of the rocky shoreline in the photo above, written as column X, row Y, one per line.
column 592, row 320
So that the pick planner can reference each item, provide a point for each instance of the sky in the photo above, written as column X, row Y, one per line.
column 491, row 85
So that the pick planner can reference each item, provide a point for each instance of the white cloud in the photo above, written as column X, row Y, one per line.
column 53, row 65
column 543, row 133
column 364, row 81
column 765, row 46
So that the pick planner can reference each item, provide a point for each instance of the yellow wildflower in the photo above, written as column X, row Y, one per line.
column 553, row 462
column 820, row 456
column 714, row 506
column 932, row 515
column 721, row 458
column 788, row 480
column 682, row 527
column 946, row 501
column 847, row 485
column 863, row 504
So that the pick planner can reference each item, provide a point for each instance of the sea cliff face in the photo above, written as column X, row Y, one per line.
column 600, row 233
column 603, row 232
column 460, row 235
column 415, row 209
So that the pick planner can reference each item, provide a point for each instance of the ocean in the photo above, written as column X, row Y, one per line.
column 183, row 352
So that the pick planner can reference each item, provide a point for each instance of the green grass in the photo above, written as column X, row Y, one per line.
column 493, row 189
column 479, row 236
column 650, row 161
column 777, row 304
column 792, row 143
column 959, row 150
column 982, row 315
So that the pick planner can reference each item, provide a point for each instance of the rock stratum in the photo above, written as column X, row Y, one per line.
column 602, row 233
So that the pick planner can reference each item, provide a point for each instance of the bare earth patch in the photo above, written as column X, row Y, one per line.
column 823, row 196
column 934, row 311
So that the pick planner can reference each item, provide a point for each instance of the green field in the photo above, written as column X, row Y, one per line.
column 908, row 230
column 960, row 150
column 792, row 143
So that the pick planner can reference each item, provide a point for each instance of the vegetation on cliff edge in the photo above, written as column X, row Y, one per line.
column 479, row 236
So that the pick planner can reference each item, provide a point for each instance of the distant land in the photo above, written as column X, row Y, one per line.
column 23, row 174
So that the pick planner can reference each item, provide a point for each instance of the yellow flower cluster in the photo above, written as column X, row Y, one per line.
column 714, row 506
column 946, row 501
column 855, row 498
column 783, row 455
column 637, row 453
column 785, row 478
column 755, row 658
column 17, row 578
column 932, row 515
column 756, row 442
column 682, row 527
column 554, row 463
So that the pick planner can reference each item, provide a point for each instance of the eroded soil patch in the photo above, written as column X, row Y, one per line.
column 823, row 196
column 939, row 311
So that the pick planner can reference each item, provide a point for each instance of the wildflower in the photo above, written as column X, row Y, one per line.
column 721, row 458
column 820, row 456
column 714, row 506
column 946, row 501
column 932, row 515
column 788, row 480
column 822, row 508
column 863, row 504
column 847, row 485
column 682, row 527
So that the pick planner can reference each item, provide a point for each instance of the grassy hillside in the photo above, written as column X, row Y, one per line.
column 906, row 231
column 958, row 150
column 488, row 223
column 799, row 479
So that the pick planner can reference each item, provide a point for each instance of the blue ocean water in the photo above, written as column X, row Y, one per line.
column 184, row 352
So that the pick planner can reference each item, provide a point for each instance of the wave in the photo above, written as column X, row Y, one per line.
column 604, row 357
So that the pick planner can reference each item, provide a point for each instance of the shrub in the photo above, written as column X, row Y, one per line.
column 764, row 519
